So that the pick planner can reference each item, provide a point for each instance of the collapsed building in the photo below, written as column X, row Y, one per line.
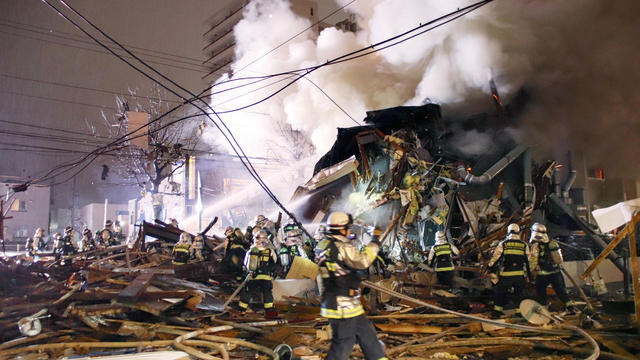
column 408, row 172
column 403, row 172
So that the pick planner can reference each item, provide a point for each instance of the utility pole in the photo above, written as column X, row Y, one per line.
column 2, row 219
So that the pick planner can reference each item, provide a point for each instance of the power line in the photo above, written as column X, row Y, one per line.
column 50, row 32
column 51, row 42
column 53, row 129
column 339, row 59
column 87, row 88
column 59, row 100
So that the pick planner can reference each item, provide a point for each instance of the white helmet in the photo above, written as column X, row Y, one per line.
column 339, row 221
column 185, row 238
column 440, row 236
column 513, row 229
column 513, row 236
column 539, row 233
column 260, row 220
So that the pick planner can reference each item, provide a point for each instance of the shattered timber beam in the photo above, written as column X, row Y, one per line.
column 613, row 256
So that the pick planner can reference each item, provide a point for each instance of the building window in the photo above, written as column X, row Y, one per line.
column 19, row 205
column 311, row 11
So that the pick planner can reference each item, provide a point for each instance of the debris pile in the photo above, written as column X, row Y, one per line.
column 404, row 174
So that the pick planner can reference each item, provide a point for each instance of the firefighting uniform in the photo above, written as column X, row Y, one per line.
column 340, row 287
column 440, row 256
column 39, row 243
column 29, row 247
column 260, row 277
column 548, row 272
column 513, row 255
column 286, row 255
column 181, row 253
column 234, row 253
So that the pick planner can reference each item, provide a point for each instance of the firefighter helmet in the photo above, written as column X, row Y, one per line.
column 260, row 220
column 513, row 229
column 228, row 231
column 185, row 238
column 291, row 225
column 39, row 231
column 108, row 223
column 440, row 236
column 513, row 236
column 339, row 221
column 68, row 230
column 86, row 232
column 539, row 233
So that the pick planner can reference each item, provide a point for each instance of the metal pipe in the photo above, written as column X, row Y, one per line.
column 492, row 171
column 568, row 184
column 613, row 256
column 529, row 188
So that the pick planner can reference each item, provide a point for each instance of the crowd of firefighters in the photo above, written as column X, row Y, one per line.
column 64, row 245
column 258, row 254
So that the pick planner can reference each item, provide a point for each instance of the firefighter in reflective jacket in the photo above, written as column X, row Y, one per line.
column 234, row 252
column 545, row 262
column 440, row 255
column 181, row 249
column 291, row 248
column 260, row 262
column 512, row 256
column 340, row 288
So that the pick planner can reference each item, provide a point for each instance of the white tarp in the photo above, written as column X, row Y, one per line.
column 617, row 215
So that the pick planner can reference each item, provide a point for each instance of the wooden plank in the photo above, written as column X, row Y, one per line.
column 409, row 329
column 634, row 270
column 603, row 255
column 612, row 346
column 135, row 288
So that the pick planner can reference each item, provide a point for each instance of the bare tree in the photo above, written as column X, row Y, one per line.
column 152, row 163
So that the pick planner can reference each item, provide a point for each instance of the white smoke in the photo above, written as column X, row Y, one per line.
column 576, row 57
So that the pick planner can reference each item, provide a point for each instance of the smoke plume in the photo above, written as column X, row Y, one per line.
column 576, row 58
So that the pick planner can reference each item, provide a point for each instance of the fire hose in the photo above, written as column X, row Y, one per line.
column 593, row 356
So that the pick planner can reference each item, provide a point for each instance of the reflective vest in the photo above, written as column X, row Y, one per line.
column 265, row 263
column 341, row 284
column 443, row 257
column 546, row 266
column 180, row 254
column 514, row 257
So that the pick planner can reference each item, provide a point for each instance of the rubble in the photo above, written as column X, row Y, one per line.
column 400, row 173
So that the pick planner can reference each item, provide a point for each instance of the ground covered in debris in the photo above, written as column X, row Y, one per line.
column 123, row 302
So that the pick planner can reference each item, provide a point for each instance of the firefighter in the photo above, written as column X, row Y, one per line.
column 65, row 245
column 339, row 260
column 88, row 242
column 196, row 247
column 57, row 245
column 510, row 261
column 106, row 236
column 234, row 252
column 28, row 246
column 260, row 262
column 545, row 262
column 181, row 249
column 117, row 232
column 440, row 256
column 38, row 240
column 291, row 248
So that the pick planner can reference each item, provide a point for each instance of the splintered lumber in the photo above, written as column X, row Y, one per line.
column 409, row 344
column 409, row 329
column 613, row 346
column 136, row 288
column 635, row 270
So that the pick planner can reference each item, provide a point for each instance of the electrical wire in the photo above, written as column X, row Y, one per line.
column 51, row 32
column 310, row 69
column 48, row 41
column 53, row 129
column 87, row 88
